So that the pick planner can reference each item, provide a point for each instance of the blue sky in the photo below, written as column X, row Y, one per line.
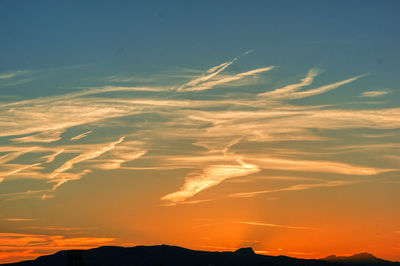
column 346, row 37
column 48, row 34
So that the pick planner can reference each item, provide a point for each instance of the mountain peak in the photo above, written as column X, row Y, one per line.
column 360, row 257
column 364, row 255
column 245, row 251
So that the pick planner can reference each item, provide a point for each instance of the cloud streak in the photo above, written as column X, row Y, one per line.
column 13, row 74
column 45, row 136
column 211, row 73
column 15, row 246
column 81, row 136
column 78, row 159
column 316, row 166
column 306, row 81
column 227, row 135
column 211, row 84
column 276, row 225
column 211, row 176
column 291, row 92
column 371, row 94
column 18, row 220
column 298, row 187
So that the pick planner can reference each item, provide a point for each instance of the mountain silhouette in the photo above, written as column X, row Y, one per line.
column 358, row 259
column 164, row 255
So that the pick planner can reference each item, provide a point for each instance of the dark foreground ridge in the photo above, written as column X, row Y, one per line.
column 172, row 255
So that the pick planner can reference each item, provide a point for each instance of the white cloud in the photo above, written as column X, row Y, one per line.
column 83, row 157
column 276, row 225
column 51, row 157
column 13, row 74
column 370, row 94
column 216, row 128
column 314, row 166
column 19, row 169
column 210, row 176
column 45, row 136
column 290, row 92
column 81, row 136
column 281, row 92
column 212, row 72
column 14, row 152
column 18, row 219
column 292, row 188
column 211, row 84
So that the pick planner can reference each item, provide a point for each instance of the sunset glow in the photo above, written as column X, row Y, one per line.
column 212, row 127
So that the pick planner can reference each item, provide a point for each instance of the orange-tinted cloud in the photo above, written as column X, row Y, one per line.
column 18, row 246
column 211, row 176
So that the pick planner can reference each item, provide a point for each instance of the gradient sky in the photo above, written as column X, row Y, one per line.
column 212, row 125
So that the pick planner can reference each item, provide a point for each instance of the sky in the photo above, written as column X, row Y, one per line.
column 211, row 125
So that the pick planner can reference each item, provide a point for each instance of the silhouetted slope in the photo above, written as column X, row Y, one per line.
column 358, row 259
column 171, row 255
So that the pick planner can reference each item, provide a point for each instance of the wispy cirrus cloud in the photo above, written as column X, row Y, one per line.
column 17, row 77
column 68, row 171
column 281, row 92
column 119, row 158
column 13, row 74
column 55, row 115
column 186, row 202
column 45, row 136
column 17, row 168
column 376, row 93
column 19, row 219
column 213, row 83
column 81, row 136
column 275, row 225
column 15, row 246
column 14, row 152
column 297, row 187
column 212, row 72
column 60, row 228
column 29, row 194
column 210, row 80
column 290, row 92
column 315, row 166
column 279, row 163
column 210, row 176
column 324, row 89
column 80, row 158
column 51, row 157
column 217, row 128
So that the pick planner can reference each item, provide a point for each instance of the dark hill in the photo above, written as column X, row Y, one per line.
column 358, row 259
column 175, row 256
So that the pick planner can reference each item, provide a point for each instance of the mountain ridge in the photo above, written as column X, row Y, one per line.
column 173, row 255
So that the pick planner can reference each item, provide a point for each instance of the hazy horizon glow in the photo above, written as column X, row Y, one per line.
column 290, row 156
